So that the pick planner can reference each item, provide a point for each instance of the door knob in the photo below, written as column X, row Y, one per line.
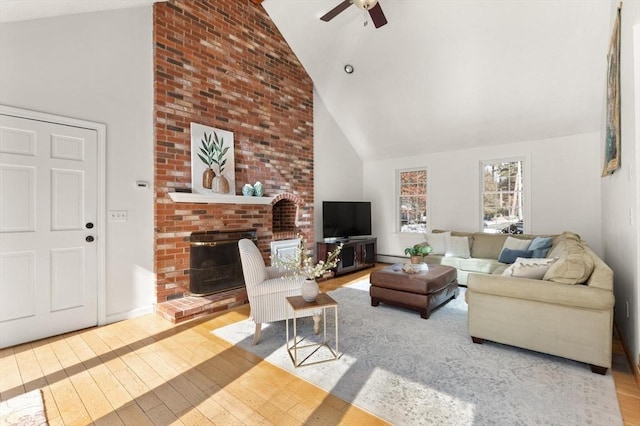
column 89, row 239
column 89, row 225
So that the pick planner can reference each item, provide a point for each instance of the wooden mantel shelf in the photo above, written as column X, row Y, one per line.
column 189, row 197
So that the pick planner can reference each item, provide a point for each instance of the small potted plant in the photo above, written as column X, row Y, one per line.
column 418, row 252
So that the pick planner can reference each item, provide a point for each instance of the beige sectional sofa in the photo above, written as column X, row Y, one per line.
column 566, row 311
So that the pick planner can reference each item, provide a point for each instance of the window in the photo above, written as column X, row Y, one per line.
column 413, row 200
column 502, row 196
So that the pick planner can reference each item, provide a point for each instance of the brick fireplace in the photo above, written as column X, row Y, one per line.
column 224, row 64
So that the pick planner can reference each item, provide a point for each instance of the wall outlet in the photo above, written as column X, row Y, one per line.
column 117, row 215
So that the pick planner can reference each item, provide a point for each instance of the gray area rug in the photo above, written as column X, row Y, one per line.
column 411, row 371
column 23, row 410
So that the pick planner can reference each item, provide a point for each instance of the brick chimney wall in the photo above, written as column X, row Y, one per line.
column 224, row 64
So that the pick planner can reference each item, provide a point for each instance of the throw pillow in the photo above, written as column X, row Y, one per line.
column 459, row 247
column 529, row 268
column 516, row 244
column 575, row 268
column 540, row 246
column 509, row 255
column 487, row 246
column 439, row 242
column 563, row 246
column 540, row 253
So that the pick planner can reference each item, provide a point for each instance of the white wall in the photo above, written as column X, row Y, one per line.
column 562, row 178
column 620, row 201
column 98, row 67
column 337, row 167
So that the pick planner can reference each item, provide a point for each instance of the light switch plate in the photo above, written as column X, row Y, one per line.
column 117, row 215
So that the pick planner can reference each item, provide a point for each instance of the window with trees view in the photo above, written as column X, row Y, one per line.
column 413, row 200
column 502, row 196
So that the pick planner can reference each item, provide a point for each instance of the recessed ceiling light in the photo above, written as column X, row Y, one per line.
column 348, row 69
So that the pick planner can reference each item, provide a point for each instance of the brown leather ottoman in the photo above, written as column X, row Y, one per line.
column 422, row 292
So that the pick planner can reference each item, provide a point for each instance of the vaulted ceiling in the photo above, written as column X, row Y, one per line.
column 453, row 74
column 442, row 74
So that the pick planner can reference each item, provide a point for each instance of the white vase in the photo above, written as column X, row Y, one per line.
column 310, row 290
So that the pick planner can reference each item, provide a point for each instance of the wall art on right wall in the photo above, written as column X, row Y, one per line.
column 612, row 133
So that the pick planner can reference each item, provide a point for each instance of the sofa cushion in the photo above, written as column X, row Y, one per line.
column 562, row 243
column 534, row 268
column 458, row 247
column 563, row 246
column 574, row 268
column 469, row 235
column 516, row 244
column 439, row 242
column 571, row 236
column 484, row 266
column 509, row 255
column 487, row 246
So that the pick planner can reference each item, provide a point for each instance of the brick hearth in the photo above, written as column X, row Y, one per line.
column 191, row 307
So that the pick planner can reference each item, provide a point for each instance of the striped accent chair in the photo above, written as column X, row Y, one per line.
column 267, row 288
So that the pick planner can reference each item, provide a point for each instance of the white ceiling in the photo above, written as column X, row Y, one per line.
column 453, row 74
column 442, row 74
column 22, row 10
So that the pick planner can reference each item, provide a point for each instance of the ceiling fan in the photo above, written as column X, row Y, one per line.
column 372, row 6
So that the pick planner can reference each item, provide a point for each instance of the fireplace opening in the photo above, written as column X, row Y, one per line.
column 215, row 261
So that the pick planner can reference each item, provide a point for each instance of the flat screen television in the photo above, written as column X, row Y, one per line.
column 343, row 219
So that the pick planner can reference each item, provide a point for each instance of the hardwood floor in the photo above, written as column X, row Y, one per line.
column 147, row 371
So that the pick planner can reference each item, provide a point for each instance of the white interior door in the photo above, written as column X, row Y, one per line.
column 48, row 213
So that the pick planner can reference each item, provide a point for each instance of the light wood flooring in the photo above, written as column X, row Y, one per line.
column 147, row 371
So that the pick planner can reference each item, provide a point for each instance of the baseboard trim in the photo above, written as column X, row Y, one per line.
column 121, row 316
column 635, row 367
column 390, row 258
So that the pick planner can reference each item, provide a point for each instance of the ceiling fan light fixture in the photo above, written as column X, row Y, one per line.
column 364, row 4
column 371, row 6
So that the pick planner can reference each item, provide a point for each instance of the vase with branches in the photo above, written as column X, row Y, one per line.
column 302, row 264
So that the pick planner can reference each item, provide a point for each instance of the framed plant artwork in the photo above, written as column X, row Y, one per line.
column 212, row 160
column 612, row 132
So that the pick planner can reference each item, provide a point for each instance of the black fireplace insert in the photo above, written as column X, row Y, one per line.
column 215, row 261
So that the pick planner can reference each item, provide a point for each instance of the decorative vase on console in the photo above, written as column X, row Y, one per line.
column 247, row 190
column 258, row 189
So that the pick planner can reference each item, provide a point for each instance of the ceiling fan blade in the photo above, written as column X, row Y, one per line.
column 377, row 16
column 336, row 10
